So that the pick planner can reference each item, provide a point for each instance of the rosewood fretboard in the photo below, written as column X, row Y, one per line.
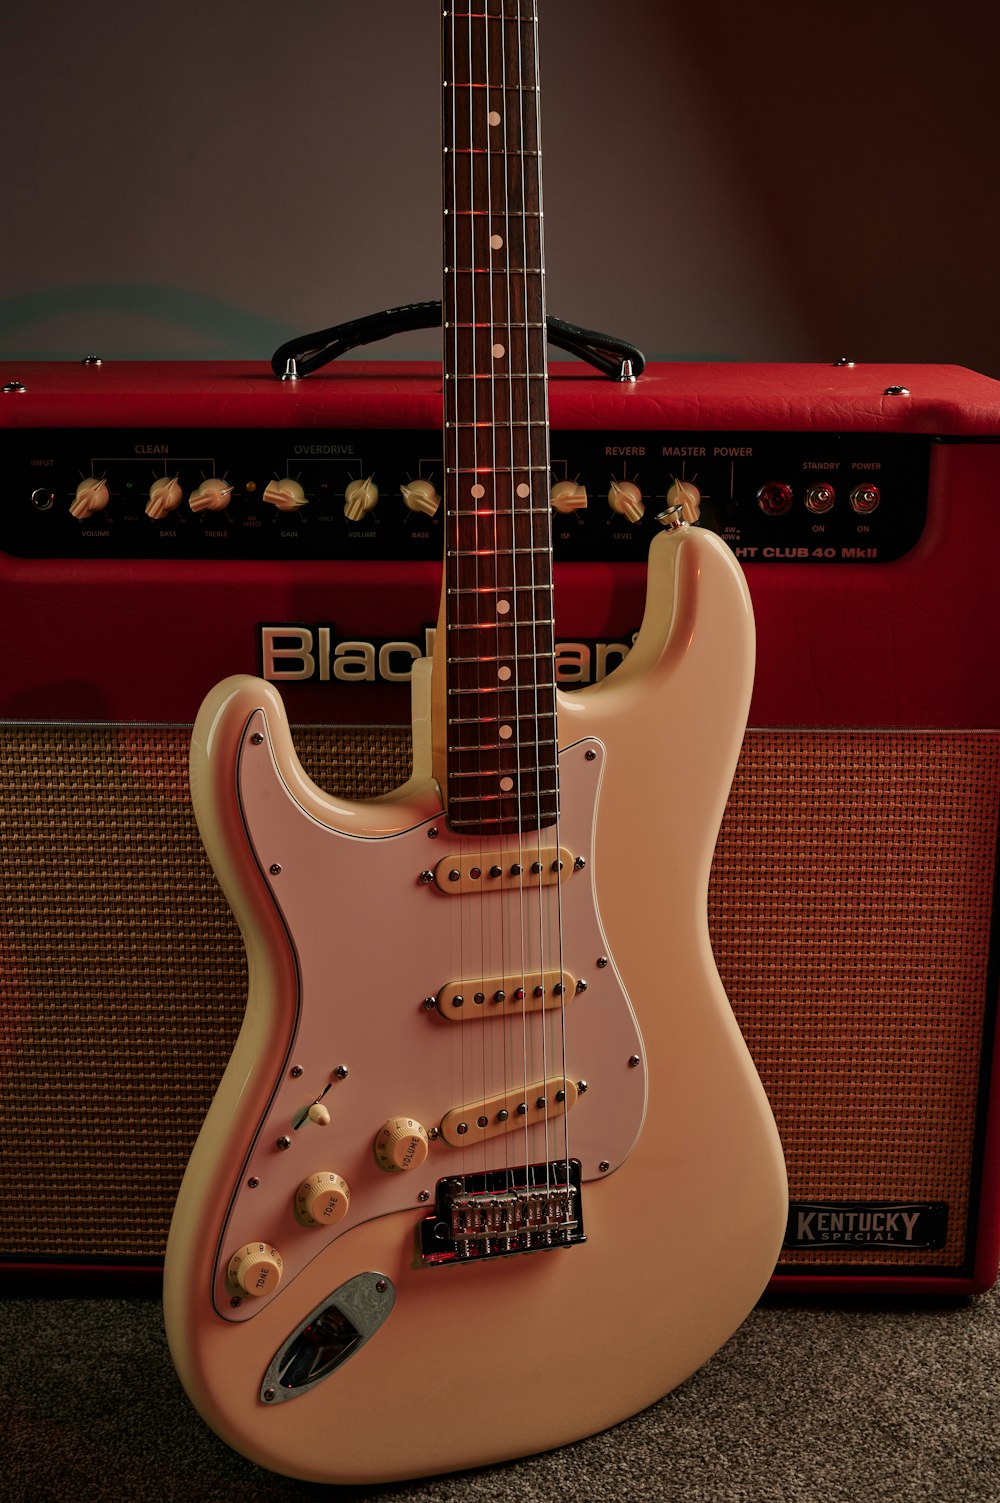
column 501, row 755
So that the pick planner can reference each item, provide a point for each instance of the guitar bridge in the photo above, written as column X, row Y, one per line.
column 503, row 1212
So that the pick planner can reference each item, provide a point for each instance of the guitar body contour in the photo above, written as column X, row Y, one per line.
column 356, row 960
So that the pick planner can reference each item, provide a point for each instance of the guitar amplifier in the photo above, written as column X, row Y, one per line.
column 163, row 526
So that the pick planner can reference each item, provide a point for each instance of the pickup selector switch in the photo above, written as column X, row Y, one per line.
column 625, row 497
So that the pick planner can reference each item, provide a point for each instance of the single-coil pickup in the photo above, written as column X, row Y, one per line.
column 487, row 871
column 509, row 1111
column 505, row 996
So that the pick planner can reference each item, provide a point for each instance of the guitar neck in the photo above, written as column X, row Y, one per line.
column 501, row 730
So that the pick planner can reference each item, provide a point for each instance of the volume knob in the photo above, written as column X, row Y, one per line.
column 359, row 498
column 322, row 1199
column 255, row 1269
column 91, row 495
column 400, row 1144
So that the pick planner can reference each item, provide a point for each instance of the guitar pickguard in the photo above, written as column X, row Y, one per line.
column 547, row 1065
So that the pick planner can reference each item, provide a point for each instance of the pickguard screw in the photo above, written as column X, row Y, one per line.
column 253, row 1183
column 283, row 1143
column 235, row 1302
column 604, row 1166
column 424, row 1196
column 296, row 1071
column 428, row 1003
column 633, row 1061
column 275, row 869
column 380, row 1286
column 582, row 1086
column 581, row 986
column 602, row 961
column 256, row 738
column 426, row 877
column 591, row 755
column 579, row 864
column 433, row 832
column 268, row 1394
column 341, row 1072
column 434, row 1133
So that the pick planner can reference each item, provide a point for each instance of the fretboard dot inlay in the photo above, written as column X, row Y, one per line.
column 496, row 241
column 506, row 784
column 493, row 117
column 504, row 673
column 498, row 351
column 523, row 490
column 503, row 606
column 506, row 731
column 479, row 491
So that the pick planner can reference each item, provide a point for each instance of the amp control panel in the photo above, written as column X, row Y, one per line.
column 366, row 493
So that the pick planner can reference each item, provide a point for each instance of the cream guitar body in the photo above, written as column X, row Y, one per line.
column 467, row 1191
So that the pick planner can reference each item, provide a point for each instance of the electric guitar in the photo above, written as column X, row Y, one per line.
column 490, row 1167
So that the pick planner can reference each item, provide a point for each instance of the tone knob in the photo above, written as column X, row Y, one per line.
column 421, row 496
column 255, row 1269
column 400, row 1144
column 687, row 496
column 359, row 498
column 322, row 1199
column 91, row 495
column 568, row 496
column 286, row 495
column 625, row 498
column 213, row 494
column 165, row 495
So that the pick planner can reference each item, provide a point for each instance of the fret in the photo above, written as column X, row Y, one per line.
column 503, row 657
column 493, row 625
column 492, row 376
column 544, row 767
column 489, row 151
column 486, row 271
column 499, row 589
column 494, row 746
column 509, row 688
column 517, row 469
column 485, row 213
column 496, row 323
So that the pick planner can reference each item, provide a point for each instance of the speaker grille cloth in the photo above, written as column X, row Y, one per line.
column 850, row 908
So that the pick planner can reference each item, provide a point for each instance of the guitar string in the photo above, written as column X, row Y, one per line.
column 553, row 902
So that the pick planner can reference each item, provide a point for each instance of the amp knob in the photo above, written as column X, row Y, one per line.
column 164, row 496
column 322, row 1199
column 625, row 497
column 91, row 495
column 286, row 495
column 213, row 494
column 400, row 1144
column 359, row 498
column 568, row 496
column 686, row 495
column 255, row 1269
column 420, row 496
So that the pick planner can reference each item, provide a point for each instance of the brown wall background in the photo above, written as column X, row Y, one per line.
column 729, row 181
